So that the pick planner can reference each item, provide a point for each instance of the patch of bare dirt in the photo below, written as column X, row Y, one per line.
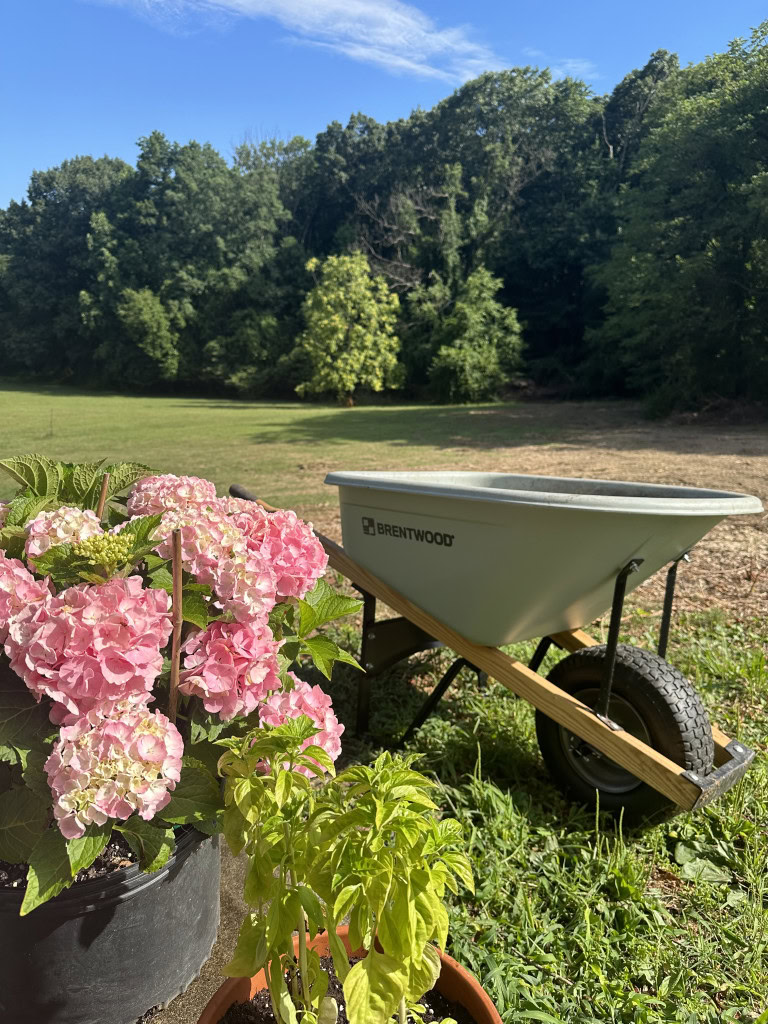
column 729, row 567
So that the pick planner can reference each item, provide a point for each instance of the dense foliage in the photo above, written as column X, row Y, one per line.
column 599, row 244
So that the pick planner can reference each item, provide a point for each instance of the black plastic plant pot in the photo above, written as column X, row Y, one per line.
column 108, row 950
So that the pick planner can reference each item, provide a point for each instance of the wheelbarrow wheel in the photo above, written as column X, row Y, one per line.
column 652, row 701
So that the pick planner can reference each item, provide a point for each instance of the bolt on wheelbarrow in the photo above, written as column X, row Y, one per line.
column 475, row 561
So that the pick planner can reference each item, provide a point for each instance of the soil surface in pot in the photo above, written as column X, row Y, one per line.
column 116, row 854
column 259, row 1009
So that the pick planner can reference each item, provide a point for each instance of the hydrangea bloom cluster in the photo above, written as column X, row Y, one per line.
column 231, row 667
column 249, row 557
column 288, row 544
column 304, row 699
column 65, row 525
column 104, row 768
column 154, row 494
column 91, row 646
column 19, row 590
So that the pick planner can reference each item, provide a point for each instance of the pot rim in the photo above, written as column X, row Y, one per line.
column 452, row 975
column 125, row 883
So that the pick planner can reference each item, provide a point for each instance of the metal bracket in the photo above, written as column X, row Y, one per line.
column 435, row 697
column 721, row 779
column 619, row 590
column 384, row 644
column 669, row 597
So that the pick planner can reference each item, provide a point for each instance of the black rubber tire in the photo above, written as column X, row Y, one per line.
column 665, row 704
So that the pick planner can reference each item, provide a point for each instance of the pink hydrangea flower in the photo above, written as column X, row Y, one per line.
column 288, row 544
column 216, row 552
column 110, row 767
column 65, row 525
column 19, row 590
column 154, row 494
column 313, row 701
column 91, row 645
column 231, row 667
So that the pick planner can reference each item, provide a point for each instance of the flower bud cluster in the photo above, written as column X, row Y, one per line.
column 108, row 550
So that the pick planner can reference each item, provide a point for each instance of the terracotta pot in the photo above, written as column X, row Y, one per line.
column 455, row 983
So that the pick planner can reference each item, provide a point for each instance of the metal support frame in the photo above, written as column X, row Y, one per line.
column 669, row 597
column 436, row 696
column 384, row 643
column 619, row 590
column 541, row 652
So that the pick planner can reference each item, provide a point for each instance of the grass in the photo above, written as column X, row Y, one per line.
column 573, row 920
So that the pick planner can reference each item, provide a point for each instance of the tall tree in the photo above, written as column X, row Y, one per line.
column 350, row 335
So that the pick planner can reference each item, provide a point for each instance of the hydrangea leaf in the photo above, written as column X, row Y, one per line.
column 152, row 845
column 194, row 608
column 322, row 605
column 33, row 772
column 49, row 870
column 325, row 652
column 24, row 723
column 84, row 477
column 83, row 852
column 36, row 472
column 196, row 798
column 23, row 817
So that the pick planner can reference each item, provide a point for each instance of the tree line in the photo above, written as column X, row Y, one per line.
column 523, row 227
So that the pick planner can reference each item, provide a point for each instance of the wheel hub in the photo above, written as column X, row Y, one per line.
column 594, row 767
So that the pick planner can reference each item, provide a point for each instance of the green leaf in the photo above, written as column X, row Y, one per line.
column 121, row 476
column 86, row 476
column 83, row 852
column 24, row 724
column 459, row 864
column 329, row 1011
column 195, row 608
column 311, row 905
column 323, row 604
column 34, row 774
column 281, row 996
column 374, row 988
column 205, row 725
column 141, row 531
column 21, row 510
column 325, row 652
column 196, row 796
column 12, row 540
column 702, row 870
column 251, row 951
column 23, row 817
column 36, row 472
column 161, row 579
column 423, row 973
column 152, row 845
column 282, row 787
column 49, row 870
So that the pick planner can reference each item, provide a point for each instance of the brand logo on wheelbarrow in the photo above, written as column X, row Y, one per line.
column 372, row 526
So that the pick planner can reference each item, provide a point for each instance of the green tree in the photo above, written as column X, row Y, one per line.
column 687, row 283
column 350, row 334
column 480, row 343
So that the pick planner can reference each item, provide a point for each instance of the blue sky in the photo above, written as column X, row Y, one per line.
column 92, row 76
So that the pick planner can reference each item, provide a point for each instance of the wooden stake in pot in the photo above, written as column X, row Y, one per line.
column 176, row 618
column 102, row 496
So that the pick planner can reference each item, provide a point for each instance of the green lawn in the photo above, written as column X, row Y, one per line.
column 283, row 449
column 572, row 922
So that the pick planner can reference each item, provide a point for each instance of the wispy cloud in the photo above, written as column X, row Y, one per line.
column 562, row 67
column 393, row 35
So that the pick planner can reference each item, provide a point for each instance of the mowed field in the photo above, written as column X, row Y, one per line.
column 575, row 919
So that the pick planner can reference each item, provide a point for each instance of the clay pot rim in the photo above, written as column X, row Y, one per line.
column 453, row 976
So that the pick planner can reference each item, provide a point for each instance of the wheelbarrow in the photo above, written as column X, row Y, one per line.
column 475, row 561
